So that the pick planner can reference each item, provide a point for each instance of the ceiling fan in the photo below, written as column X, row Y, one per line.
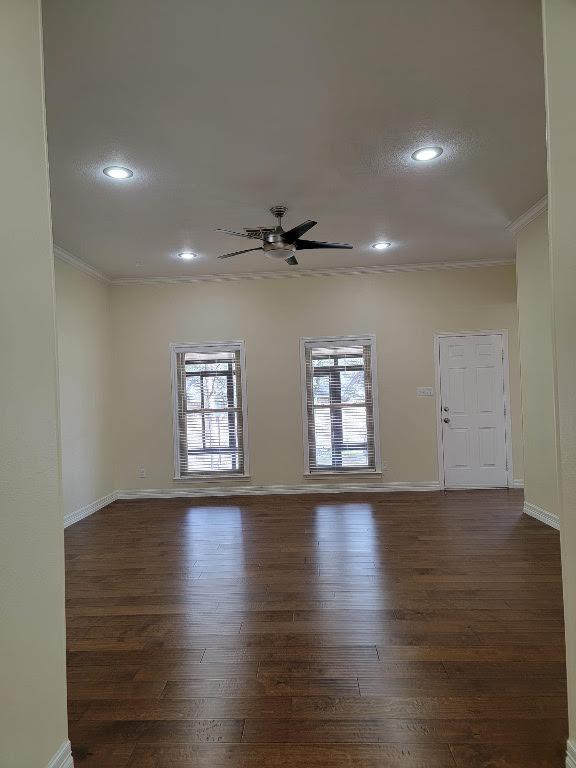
column 278, row 243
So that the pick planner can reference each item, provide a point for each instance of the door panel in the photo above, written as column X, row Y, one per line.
column 487, row 398
column 487, row 439
column 458, row 449
column 473, row 411
column 457, row 389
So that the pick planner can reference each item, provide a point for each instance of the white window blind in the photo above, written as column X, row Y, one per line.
column 209, row 410
column 340, row 405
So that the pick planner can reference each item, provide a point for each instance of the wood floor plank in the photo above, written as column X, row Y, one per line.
column 158, row 732
column 382, row 669
column 404, row 731
column 528, row 756
column 290, row 756
column 200, row 708
column 94, row 690
column 103, row 755
column 263, row 686
column 399, row 630
column 182, row 670
column 460, row 686
column 484, row 706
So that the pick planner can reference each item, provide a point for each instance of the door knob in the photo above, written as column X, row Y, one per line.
column 446, row 420
column 445, row 408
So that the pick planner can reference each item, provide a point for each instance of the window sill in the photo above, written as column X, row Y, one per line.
column 210, row 478
column 346, row 473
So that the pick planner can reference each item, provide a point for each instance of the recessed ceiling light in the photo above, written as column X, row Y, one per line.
column 118, row 172
column 381, row 246
column 187, row 255
column 427, row 153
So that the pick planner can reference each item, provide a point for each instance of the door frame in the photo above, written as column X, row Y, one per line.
column 506, row 393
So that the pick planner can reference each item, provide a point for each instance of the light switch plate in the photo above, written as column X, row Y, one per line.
column 424, row 391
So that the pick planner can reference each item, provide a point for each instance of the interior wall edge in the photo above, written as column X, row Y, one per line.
column 83, row 321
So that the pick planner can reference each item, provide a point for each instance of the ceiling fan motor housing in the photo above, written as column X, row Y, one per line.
column 275, row 247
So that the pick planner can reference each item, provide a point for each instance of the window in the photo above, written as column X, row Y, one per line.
column 339, row 405
column 209, row 409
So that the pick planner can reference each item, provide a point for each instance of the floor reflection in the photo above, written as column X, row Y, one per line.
column 215, row 553
column 348, row 552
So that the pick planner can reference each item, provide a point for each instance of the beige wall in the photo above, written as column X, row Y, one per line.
column 560, row 60
column 83, row 326
column 404, row 309
column 538, row 394
column 32, row 673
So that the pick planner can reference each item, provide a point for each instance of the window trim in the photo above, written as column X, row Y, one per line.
column 366, row 339
column 204, row 346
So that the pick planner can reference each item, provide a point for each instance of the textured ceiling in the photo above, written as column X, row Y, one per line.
column 223, row 108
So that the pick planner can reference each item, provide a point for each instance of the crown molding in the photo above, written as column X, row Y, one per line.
column 74, row 261
column 377, row 269
column 522, row 221
column 335, row 272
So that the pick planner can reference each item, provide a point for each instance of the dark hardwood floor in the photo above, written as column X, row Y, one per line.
column 362, row 631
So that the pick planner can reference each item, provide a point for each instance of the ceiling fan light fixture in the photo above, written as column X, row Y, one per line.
column 381, row 245
column 118, row 172
column 187, row 255
column 425, row 154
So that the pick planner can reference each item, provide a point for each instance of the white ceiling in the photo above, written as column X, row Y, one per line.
column 224, row 107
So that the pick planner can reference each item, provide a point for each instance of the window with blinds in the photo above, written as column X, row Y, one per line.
column 339, row 405
column 209, row 410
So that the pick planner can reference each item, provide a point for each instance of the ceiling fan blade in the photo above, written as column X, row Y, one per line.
column 237, row 253
column 293, row 234
column 237, row 234
column 292, row 260
column 311, row 244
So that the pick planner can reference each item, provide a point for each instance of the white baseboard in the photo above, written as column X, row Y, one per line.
column 62, row 758
column 89, row 509
column 517, row 483
column 267, row 490
column 280, row 490
column 544, row 516
column 571, row 755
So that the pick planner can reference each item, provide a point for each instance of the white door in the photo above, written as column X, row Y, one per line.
column 473, row 411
